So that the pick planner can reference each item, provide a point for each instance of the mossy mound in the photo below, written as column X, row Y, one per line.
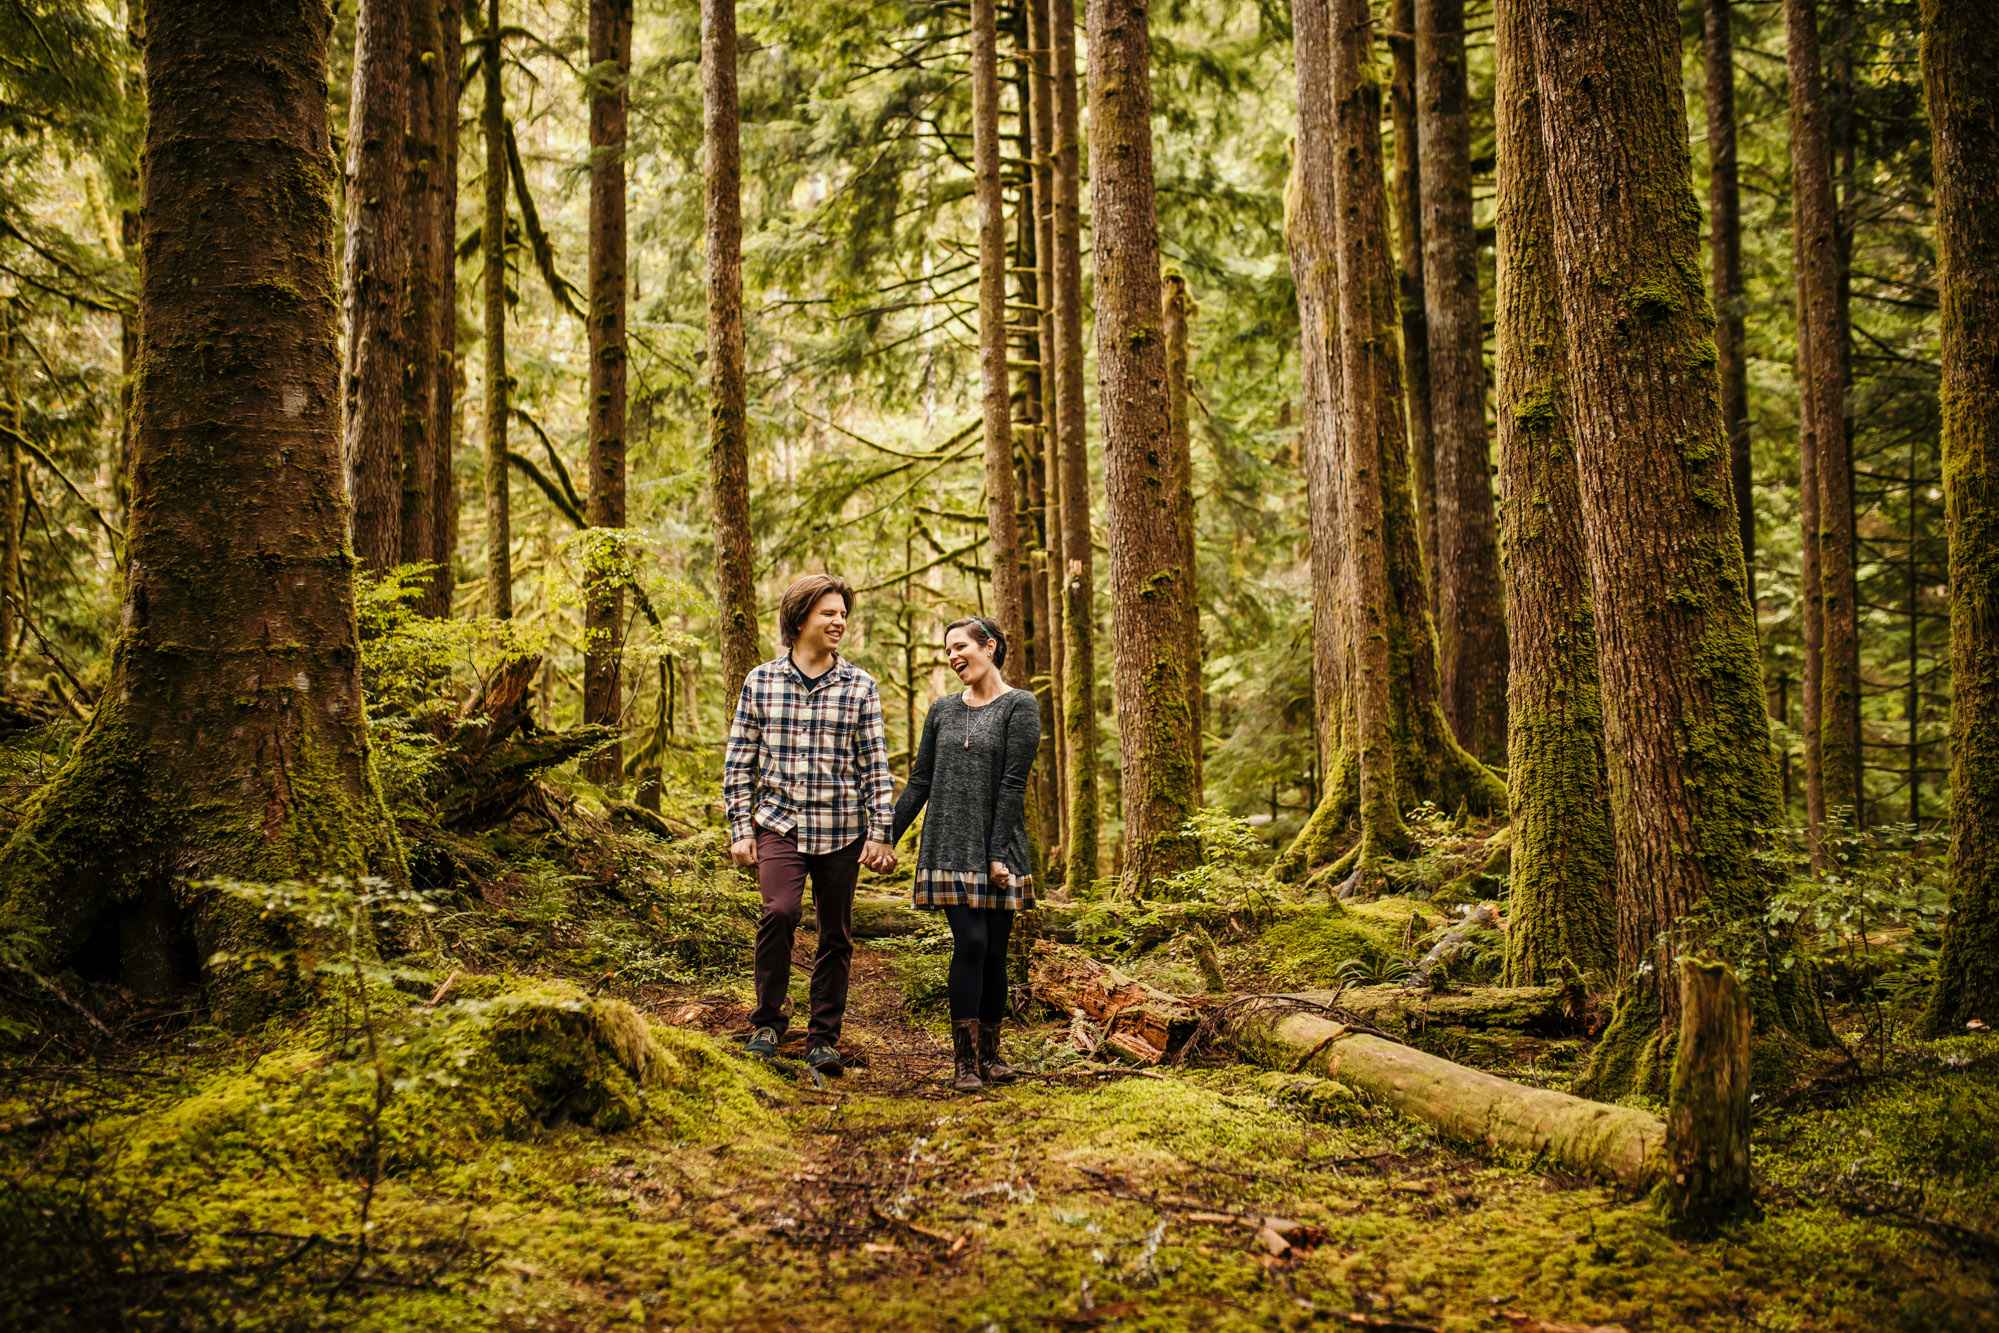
column 1307, row 948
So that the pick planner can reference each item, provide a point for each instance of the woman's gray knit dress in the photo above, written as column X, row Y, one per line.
column 972, row 770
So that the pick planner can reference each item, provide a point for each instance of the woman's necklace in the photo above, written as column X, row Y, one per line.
column 971, row 716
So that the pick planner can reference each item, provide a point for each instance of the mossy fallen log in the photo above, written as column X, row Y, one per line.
column 1121, row 1006
column 1541, row 1010
column 1617, row 1143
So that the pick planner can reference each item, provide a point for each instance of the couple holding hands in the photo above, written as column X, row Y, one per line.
column 809, row 796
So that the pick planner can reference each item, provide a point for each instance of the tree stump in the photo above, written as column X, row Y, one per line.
column 1707, row 1123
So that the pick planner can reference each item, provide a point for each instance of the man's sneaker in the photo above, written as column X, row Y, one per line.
column 825, row 1059
column 762, row 1042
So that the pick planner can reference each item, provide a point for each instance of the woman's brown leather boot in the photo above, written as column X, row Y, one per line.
column 991, row 1068
column 965, row 1055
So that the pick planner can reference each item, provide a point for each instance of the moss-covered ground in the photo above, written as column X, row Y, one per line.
column 564, row 1137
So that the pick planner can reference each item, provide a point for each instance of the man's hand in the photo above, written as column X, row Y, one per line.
column 878, row 856
column 743, row 852
column 999, row 874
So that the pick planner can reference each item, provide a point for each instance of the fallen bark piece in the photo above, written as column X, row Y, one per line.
column 1589, row 1138
column 1070, row 980
column 1542, row 1010
column 1484, row 916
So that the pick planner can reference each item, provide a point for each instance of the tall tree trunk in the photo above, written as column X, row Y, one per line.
column 1155, row 729
column 239, row 604
column 728, row 395
column 1079, row 595
column 1725, row 259
column 493, row 235
column 10, row 491
column 1427, row 763
column 1179, row 313
column 1811, row 600
column 1815, row 215
column 1561, row 920
column 1960, row 49
column 446, row 371
column 1408, row 194
column 997, row 395
column 1471, row 623
column 378, row 243
column 1692, row 776
column 1041, row 121
column 1360, row 229
column 423, row 192
column 607, row 572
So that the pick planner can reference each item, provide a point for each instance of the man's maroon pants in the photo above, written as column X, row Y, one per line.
column 781, row 874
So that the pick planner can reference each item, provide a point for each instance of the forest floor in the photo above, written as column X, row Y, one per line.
column 180, row 1177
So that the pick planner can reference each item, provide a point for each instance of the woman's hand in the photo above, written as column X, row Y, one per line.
column 999, row 874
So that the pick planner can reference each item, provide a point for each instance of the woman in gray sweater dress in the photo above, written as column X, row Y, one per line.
column 974, row 864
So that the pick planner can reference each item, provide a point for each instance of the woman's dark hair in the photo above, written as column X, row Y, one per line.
column 799, row 599
column 982, row 631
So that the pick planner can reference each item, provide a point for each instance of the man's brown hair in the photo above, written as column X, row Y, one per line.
column 804, row 594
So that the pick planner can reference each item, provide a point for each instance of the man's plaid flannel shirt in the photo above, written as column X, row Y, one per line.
column 811, row 761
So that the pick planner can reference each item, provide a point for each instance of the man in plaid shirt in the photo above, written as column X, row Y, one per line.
column 809, row 796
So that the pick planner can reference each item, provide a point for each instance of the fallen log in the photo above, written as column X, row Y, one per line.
column 1541, row 1010
column 1615, row 1143
column 1483, row 917
column 1149, row 1022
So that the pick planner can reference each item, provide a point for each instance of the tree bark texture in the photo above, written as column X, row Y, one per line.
column 1562, row 915
column 11, row 498
column 1178, row 316
column 1960, row 49
column 1692, row 776
column 606, row 574
column 378, row 252
column 1041, row 122
column 493, row 235
column 230, row 739
column 1706, row 1180
column 1725, row 260
column 423, row 197
column 1811, row 583
column 996, row 397
column 1471, row 622
column 1427, row 762
column 1155, row 728
column 1822, row 377
column 728, row 393
column 1408, row 195
column 1614, row 1143
column 446, row 372
column 1082, row 819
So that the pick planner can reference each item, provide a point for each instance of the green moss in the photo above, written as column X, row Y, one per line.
column 1656, row 300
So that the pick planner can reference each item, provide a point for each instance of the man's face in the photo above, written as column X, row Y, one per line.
column 826, row 624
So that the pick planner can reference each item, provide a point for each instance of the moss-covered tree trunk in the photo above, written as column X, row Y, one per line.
column 10, row 490
column 445, row 371
column 1692, row 776
column 1822, row 380
column 1178, row 316
column 422, row 197
column 1471, row 621
column 377, row 258
column 493, row 237
column 1407, row 191
column 230, row 739
column 610, row 73
column 1082, row 819
column 1725, row 266
column 1308, row 237
column 728, row 393
column 1052, row 769
column 996, row 395
column 1427, row 761
column 1561, row 919
column 1960, row 49
column 1811, row 600
column 1155, row 728
column 1706, row 1179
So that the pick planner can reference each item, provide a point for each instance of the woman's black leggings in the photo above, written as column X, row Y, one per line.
column 978, row 961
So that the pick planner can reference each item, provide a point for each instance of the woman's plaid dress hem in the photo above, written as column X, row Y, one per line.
column 972, row 888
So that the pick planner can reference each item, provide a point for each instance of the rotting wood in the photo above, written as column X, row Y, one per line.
column 1707, row 1126
column 1123, row 1007
column 1542, row 1010
column 1617, row 1143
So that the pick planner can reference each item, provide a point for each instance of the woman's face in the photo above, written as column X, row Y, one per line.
column 967, row 656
